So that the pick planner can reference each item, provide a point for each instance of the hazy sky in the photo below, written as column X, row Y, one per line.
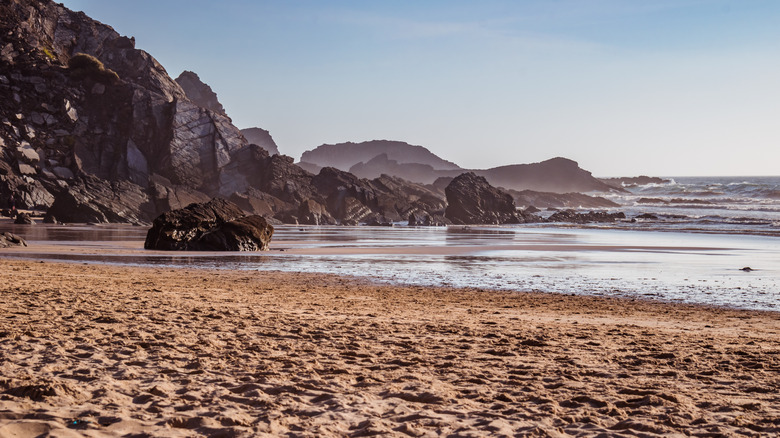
column 667, row 87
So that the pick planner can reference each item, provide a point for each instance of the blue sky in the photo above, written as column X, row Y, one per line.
column 667, row 88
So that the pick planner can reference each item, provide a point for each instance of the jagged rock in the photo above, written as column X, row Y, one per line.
column 62, row 172
column 26, row 169
column 93, row 200
column 262, row 138
column 199, row 92
column 24, row 219
column 311, row 212
column 217, row 225
column 377, row 220
column 472, row 200
column 107, row 136
column 582, row 218
column 255, row 202
column 27, row 154
column 8, row 240
column 167, row 196
column 646, row 216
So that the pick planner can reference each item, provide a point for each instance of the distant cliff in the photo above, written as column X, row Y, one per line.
column 372, row 159
column 346, row 155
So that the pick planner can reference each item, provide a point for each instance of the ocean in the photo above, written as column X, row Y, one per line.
column 702, row 233
column 733, row 205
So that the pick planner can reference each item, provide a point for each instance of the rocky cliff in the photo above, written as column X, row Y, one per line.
column 79, row 100
column 93, row 129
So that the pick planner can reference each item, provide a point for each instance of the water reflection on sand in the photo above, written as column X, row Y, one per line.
column 686, row 267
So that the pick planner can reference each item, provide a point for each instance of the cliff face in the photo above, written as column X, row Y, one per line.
column 81, row 119
column 92, row 129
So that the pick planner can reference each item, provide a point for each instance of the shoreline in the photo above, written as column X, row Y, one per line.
column 182, row 352
column 680, row 267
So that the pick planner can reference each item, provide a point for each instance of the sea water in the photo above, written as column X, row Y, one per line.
column 735, row 205
column 694, row 252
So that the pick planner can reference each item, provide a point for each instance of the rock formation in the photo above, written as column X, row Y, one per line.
column 198, row 92
column 557, row 175
column 372, row 159
column 9, row 240
column 94, row 130
column 217, row 225
column 472, row 200
column 79, row 101
column 262, row 138
column 382, row 165
column 345, row 155
column 582, row 218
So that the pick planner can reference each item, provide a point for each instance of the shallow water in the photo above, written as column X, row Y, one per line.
column 668, row 266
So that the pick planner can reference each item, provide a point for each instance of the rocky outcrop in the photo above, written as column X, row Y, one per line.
column 10, row 240
column 77, row 100
column 345, row 155
column 249, row 233
column 372, row 159
column 94, row 130
column 572, row 216
column 262, row 138
column 24, row 219
column 557, row 175
column 217, row 225
column 198, row 92
column 472, row 200
column 91, row 199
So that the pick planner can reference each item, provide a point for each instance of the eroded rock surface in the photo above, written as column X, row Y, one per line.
column 217, row 225
column 472, row 200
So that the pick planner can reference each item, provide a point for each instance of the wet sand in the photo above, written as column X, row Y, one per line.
column 119, row 351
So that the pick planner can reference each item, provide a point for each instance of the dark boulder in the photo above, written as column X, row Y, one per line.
column 249, row 233
column 583, row 218
column 472, row 200
column 24, row 219
column 8, row 240
column 217, row 225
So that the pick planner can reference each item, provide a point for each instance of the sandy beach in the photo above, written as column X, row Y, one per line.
column 93, row 350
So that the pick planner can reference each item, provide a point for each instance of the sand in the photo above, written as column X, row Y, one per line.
column 91, row 350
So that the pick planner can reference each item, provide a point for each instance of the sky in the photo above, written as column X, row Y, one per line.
column 623, row 87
